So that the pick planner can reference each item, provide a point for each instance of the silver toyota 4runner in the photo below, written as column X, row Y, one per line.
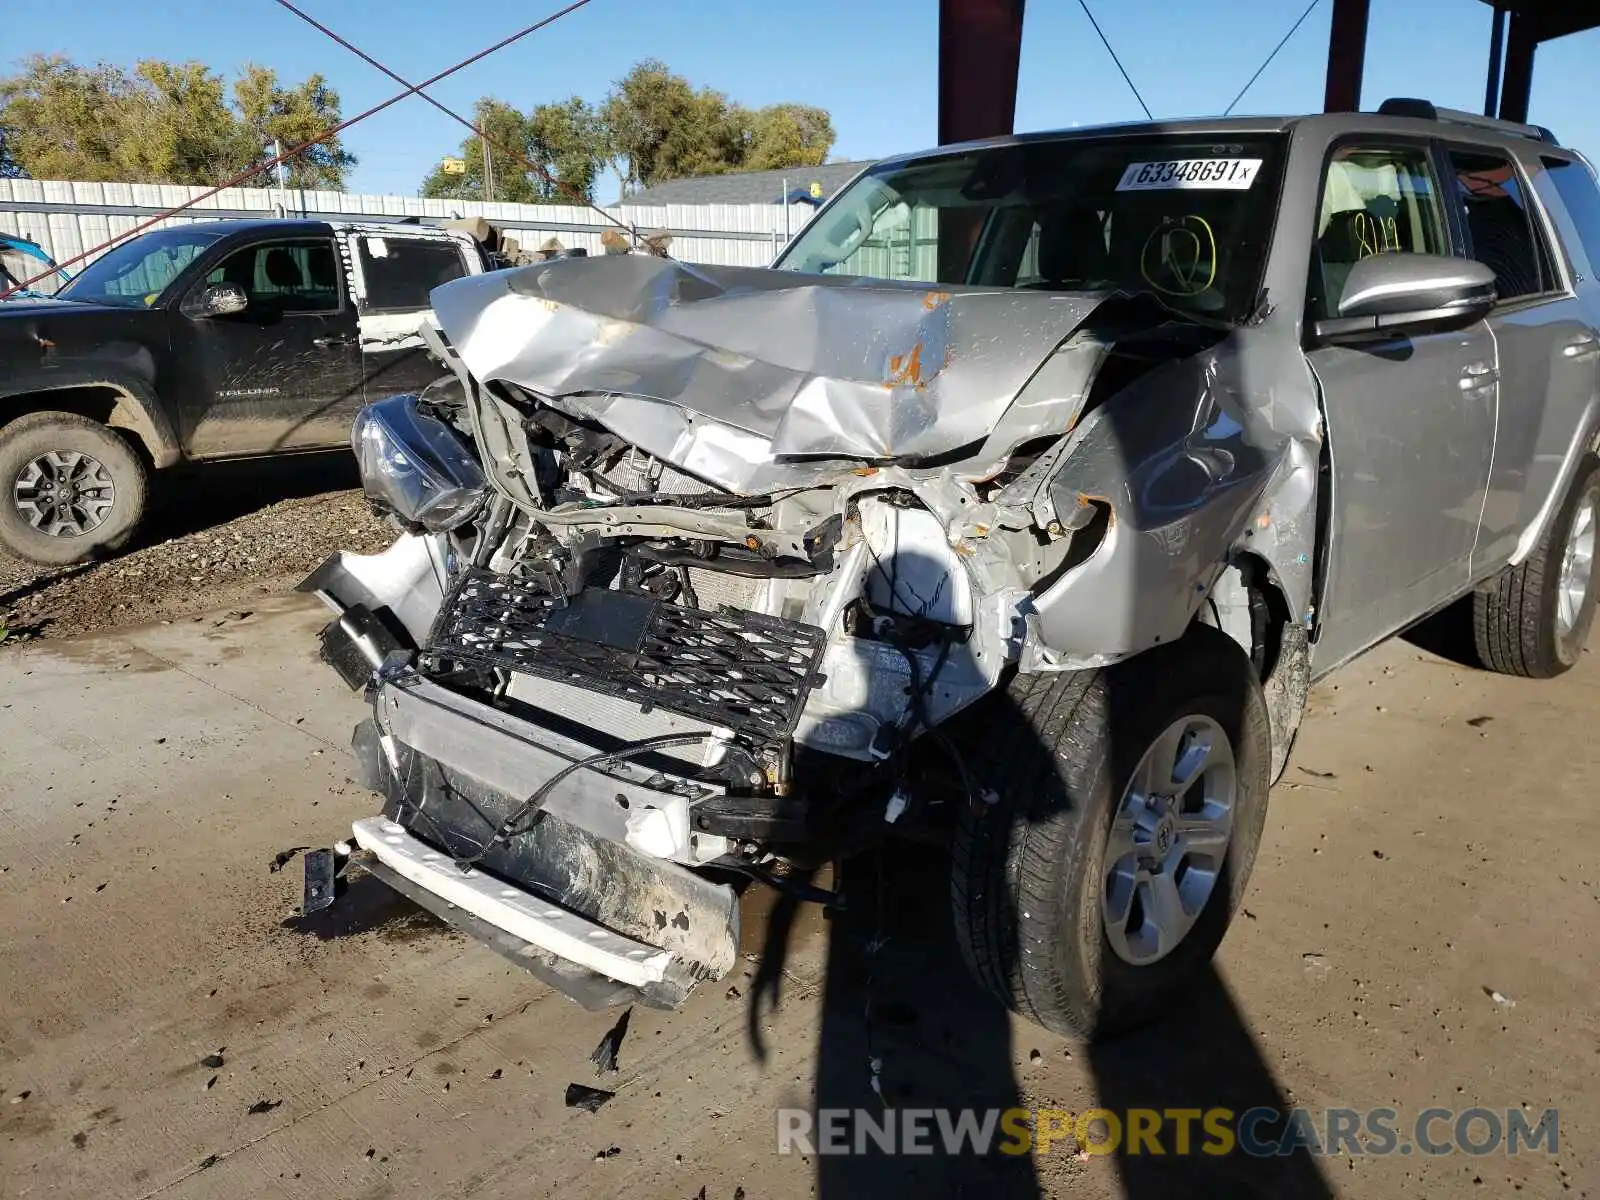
column 1017, row 506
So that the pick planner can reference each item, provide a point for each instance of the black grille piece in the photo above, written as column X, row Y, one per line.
column 741, row 670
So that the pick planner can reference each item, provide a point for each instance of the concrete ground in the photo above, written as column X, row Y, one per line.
column 169, row 1027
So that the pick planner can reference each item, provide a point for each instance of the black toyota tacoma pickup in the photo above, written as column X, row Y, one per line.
column 213, row 340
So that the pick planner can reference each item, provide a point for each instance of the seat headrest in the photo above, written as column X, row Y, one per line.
column 1072, row 246
column 282, row 270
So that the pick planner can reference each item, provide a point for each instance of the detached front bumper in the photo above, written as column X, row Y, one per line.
column 568, row 897
column 540, row 926
column 597, row 895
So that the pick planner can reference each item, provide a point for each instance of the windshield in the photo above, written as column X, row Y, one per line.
column 19, row 263
column 1187, row 218
column 135, row 273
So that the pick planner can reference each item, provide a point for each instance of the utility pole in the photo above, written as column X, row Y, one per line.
column 282, row 174
column 488, row 171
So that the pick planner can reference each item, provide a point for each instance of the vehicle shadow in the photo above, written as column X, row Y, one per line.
column 905, row 1027
column 200, row 497
column 1448, row 633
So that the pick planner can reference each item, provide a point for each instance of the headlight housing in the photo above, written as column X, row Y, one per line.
column 416, row 465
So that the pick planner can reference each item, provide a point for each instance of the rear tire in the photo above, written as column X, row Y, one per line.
column 1534, row 619
column 70, row 488
column 1032, row 856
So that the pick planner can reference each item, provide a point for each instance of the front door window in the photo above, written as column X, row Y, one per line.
column 1374, row 201
column 300, row 276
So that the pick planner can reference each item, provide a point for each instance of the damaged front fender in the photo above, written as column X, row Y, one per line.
column 1196, row 461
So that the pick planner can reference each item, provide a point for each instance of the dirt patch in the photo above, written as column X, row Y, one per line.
column 221, row 568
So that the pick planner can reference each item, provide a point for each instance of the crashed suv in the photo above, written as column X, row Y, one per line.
column 1017, row 506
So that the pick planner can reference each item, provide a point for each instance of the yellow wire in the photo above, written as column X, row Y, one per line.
column 1164, row 230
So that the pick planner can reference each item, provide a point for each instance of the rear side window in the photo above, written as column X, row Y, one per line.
column 400, row 272
column 1578, row 193
column 1496, row 213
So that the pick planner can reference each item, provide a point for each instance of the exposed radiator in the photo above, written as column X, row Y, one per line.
column 632, row 474
column 712, row 588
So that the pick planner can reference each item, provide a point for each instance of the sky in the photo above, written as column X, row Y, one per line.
column 872, row 63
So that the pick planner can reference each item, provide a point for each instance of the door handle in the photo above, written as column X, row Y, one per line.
column 1477, row 375
column 333, row 339
column 1579, row 346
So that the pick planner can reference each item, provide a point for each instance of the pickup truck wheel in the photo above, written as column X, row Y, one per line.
column 1533, row 619
column 1118, row 819
column 70, row 488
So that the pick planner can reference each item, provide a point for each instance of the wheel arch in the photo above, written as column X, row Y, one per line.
column 123, row 404
column 1551, row 480
column 1250, row 604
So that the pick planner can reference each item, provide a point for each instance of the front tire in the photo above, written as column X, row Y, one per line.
column 70, row 488
column 1533, row 619
column 1119, row 818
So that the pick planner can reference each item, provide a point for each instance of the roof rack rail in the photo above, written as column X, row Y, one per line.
column 1405, row 106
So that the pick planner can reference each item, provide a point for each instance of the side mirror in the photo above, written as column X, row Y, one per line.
column 1410, row 293
column 219, row 300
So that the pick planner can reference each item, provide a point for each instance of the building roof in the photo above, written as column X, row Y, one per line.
column 748, row 187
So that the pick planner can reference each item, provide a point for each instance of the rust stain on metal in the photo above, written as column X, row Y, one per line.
column 932, row 300
column 1085, row 500
column 905, row 370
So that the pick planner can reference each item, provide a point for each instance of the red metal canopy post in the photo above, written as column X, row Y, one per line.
column 980, row 42
column 1517, row 82
column 1347, row 56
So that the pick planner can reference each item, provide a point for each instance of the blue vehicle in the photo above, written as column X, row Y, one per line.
column 21, row 259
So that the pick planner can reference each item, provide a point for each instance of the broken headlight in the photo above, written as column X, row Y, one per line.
column 415, row 465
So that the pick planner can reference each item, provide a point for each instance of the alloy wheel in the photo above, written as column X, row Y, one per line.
column 64, row 493
column 1577, row 566
column 1168, row 840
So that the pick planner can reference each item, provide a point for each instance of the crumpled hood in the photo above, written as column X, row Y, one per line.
column 811, row 366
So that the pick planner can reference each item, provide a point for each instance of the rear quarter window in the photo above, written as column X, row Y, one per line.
column 399, row 272
column 1581, row 198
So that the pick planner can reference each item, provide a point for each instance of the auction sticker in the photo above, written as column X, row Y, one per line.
column 1177, row 174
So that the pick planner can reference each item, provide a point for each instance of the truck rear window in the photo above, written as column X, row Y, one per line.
column 400, row 271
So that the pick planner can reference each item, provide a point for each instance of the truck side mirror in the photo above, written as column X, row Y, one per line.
column 219, row 300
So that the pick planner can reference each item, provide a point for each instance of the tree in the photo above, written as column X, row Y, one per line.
column 788, row 135
column 60, row 119
column 659, row 127
column 651, row 126
column 508, row 131
column 293, row 116
column 566, row 139
column 162, row 123
column 173, row 124
column 561, row 138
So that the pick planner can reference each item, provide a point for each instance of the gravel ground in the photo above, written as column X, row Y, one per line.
column 183, row 566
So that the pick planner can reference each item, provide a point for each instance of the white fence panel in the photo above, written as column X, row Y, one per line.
column 68, row 218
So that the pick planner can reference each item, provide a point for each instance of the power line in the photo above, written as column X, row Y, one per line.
column 1292, row 30
column 510, row 151
column 1084, row 4
column 250, row 173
